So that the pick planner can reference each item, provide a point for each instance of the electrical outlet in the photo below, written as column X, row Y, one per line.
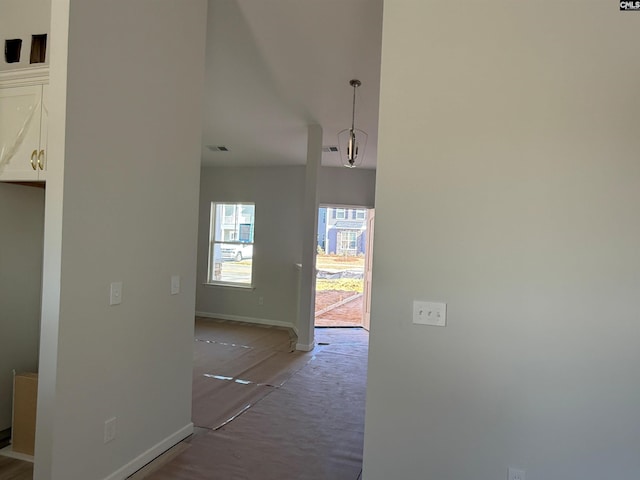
column 109, row 430
column 515, row 474
column 115, row 293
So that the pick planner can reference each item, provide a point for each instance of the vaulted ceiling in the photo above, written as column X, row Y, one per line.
column 275, row 66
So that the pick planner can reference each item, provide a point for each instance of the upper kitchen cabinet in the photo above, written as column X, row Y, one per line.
column 24, row 78
column 23, row 133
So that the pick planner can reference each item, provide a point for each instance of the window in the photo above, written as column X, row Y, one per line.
column 231, row 243
column 341, row 213
column 347, row 242
column 360, row 214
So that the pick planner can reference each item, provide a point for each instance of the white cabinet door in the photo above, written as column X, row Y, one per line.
column 20, row 125
column 44, row 135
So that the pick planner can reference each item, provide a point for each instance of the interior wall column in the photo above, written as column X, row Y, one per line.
column 52, row 252
column 306, row 312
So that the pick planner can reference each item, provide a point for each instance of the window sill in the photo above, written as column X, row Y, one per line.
column 229, row 285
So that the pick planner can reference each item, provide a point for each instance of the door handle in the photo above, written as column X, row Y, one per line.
column 34, row 155
column 41, row 160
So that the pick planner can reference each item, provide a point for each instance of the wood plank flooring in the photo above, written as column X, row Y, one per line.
column 11, row 469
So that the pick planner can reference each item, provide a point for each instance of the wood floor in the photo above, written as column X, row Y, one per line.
column 11, row 469
column 263, row 411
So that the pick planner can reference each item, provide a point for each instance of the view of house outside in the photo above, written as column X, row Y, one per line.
column 340, row 260
column 342, row 240
column 342, row 231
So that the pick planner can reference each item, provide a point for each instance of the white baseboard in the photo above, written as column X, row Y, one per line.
column 154, row 452
column 304, row 348
column 8, row 452
column 257, row 321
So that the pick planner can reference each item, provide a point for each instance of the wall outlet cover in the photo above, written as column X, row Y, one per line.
column 515, row 474
column 115, row 293
column 109, row 430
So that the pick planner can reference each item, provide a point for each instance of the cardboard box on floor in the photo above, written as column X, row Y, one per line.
column 25, row 398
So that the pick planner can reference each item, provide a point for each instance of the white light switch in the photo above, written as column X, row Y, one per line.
column 175, row 284
column 115, row 295
column 430, row 313
column 109, row 430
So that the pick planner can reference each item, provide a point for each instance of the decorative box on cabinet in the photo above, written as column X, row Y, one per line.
column 23, row 132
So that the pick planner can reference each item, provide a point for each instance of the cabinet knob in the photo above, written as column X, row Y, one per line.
column 34, row 155
column 41, row 160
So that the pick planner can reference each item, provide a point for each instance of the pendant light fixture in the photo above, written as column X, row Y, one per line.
column 352, row 141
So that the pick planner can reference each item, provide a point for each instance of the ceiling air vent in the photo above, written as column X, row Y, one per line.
column 330, row 149
column 217, row 148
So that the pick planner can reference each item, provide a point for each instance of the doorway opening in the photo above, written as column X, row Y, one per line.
column 343, row 266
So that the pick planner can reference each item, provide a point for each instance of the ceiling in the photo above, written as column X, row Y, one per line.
column 276, row 66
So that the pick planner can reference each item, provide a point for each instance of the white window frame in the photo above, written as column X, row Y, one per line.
column 347, row 236
column 212, row 266
column 341, row 213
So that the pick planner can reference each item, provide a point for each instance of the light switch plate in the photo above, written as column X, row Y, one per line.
column 175, row 284
column 430, row 313
column 115, row 294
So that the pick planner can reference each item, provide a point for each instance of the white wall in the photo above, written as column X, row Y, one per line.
column 122, row 202
column 519, row 187
column 21, row 237
column 22, row 19
column 347, row 186
column 278, row 194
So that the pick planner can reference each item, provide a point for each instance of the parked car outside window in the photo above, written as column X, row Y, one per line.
column 236, row 251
